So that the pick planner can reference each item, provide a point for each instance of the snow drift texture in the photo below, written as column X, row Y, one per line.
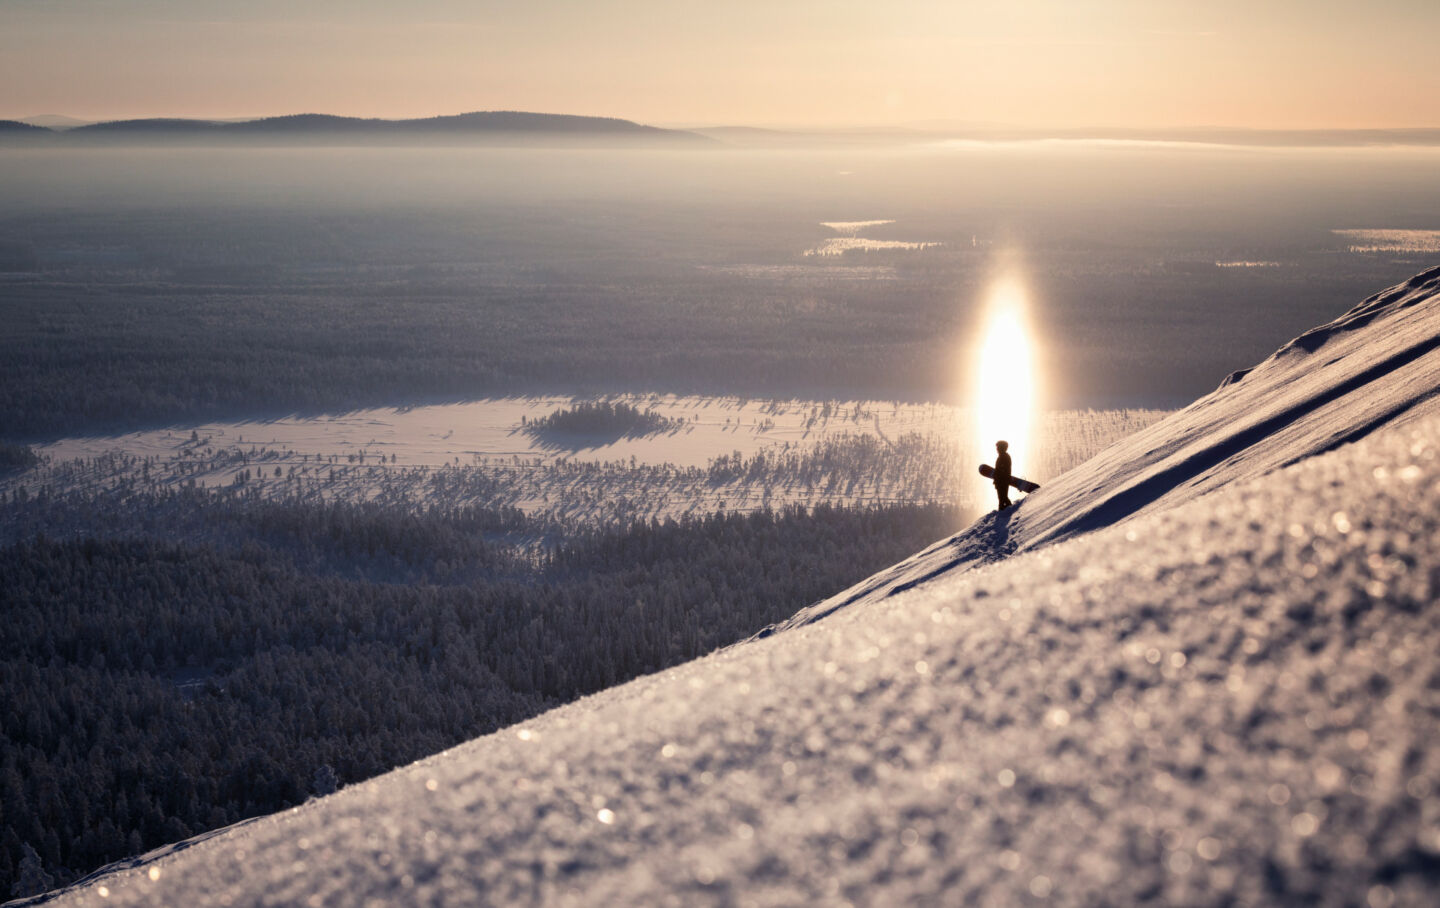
column 1197, row 699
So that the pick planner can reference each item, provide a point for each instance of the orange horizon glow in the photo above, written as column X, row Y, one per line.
column 804, row 63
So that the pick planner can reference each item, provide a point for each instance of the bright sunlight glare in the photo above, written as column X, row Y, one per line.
column 1005, row 381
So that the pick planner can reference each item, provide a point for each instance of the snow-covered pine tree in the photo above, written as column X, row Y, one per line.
column 32, row 878
column 324, row 782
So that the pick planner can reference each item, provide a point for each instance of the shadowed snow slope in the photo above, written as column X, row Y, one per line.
column 1377, row 365
column 1232, row 700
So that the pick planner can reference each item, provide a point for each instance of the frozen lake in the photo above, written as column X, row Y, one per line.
column 727, row 454
column 495, row 428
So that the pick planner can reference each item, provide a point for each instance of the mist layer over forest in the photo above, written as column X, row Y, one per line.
column 150, row 287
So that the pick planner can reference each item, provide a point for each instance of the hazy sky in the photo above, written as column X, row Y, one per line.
column 1262, row 63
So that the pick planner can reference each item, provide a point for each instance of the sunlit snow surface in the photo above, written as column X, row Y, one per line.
column 1220, row 698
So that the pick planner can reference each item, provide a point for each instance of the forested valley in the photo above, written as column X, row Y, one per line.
column 155, row 689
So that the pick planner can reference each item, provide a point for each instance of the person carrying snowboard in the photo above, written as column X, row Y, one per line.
column 1002, row 473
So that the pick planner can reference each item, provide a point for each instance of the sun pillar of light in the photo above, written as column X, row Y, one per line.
column 1004, row 381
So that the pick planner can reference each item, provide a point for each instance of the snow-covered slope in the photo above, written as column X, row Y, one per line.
column 1377, row 365
column 1232, row 699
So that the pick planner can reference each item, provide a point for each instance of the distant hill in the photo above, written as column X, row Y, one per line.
column 521, row 127
column 154, row 124
column 500, row 125
column 54, row 121
column 485, row 121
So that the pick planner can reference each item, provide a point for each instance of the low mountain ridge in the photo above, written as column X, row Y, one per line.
column 495, row 124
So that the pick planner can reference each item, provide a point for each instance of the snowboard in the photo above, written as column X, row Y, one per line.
column 1016, row 482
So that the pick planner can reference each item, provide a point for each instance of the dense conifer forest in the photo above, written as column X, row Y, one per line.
column 154, row 690
column 16, row 457
column 601, row 419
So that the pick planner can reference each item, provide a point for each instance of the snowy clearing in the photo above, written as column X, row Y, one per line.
column 730, row 454
column 494, row 428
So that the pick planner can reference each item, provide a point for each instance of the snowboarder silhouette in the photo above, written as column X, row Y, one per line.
column 1002, row 473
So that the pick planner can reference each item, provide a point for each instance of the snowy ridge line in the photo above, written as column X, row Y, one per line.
column 1377, row 365
column 130, row 863
column 1315, row 391
column 1156, row 484
column 1402, row 296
